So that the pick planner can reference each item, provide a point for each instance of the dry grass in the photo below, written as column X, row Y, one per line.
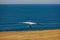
column 31, row 35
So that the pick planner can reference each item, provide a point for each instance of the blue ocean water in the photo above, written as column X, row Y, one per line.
column 48, row 14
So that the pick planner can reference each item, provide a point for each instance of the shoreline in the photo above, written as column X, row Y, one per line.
column 30, row 30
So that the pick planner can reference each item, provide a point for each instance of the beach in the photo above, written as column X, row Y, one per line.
column 31, row 35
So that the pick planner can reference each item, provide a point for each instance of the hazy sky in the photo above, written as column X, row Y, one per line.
column 29, row 1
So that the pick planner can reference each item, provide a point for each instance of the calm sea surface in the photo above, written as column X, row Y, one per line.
column 12, row 14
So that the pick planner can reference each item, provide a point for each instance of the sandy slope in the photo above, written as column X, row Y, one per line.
column 31, row 35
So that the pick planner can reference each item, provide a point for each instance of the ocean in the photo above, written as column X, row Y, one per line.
column 12, row 14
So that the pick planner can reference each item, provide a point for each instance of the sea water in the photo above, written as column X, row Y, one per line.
column 46, row 14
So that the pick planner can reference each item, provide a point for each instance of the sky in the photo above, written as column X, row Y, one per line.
column 29, row 1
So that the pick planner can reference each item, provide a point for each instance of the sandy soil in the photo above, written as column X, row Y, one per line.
column 31, row 35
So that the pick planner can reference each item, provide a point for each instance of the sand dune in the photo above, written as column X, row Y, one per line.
column 31, row 35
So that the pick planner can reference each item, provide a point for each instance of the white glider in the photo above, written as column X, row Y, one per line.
column 30, row 23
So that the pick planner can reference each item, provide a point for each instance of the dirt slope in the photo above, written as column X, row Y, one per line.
column 31, row 35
